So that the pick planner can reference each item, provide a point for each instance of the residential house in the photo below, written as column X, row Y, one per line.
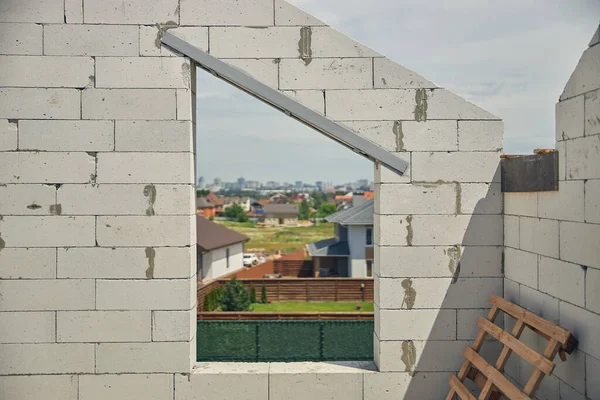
column 219, row 202
column 220, row 250
column 244, row 202
column 205, row 208
column 280, row 214
column 279, row 198
column 350, row 252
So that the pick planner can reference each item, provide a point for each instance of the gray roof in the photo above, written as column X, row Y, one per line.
column 201, row 202
column 361, row 214
column 282, row 209
column 329, row 248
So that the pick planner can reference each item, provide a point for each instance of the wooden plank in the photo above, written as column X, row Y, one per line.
column 524, row 351
column 494, row 376
column 460, row 389
column 536, row 378
column 552, row 330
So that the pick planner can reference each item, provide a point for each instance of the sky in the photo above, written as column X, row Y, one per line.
column 510, row 57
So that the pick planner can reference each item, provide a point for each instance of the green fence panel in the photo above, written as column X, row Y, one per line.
column 348, row 341
column 249, row 341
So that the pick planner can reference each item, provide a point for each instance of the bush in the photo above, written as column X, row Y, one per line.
column 253, row 295
column 235, row 297
column 211, row 300
column 263, row 295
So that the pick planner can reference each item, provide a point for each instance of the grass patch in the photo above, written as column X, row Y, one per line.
column 312, row 307
column 287, row 239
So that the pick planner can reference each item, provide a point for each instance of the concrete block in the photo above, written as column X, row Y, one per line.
column 435, row 293
column 27, row 263
column 74, row 11
column 208, row 381
column 480, row 135
column 385, row 175
column 8, row 135
column 481, row 198
column 126, row 263
column 585, row 326
column 27, row 327
column 592, row 201
column 512, row 291
column 417, row 325
column 42, row 11
column 570, row 118
column 145, row 231
column 103, row 326
column 27, row 199
column 33, row 103
column 91, row 40
column 26, row 167
column 416, row 262
column 388, row 386
column 227, row 12
column 592, row 366
column 142, row 72
column 539, row 236
column 89, row 136
column 134, row 12
column 150, row 44
column 371, row 105
column 592, row 290
column 157, row 168
column 47, row 71
column 539, row 303
column 479, row 261
column 285, row 383
column 416, row 199
column 49, row 294
column 521, row 204
column 456, row 167
column 579, row 243
column 144, row 295
column 173, row 326
column 443, row 104
column 185, row 104
column 313, row 99
column 521, row 266
column 381, row 133
column 572, row 372
column 280, row 42
column 326, row 73
column 50, row 358
column 327, row 42
column 563, row 280
column 21, row 39
column 586, row 76
column 159, row 136
column 125, row 387
column 561, row 148
column 55, row 387
column 466, row 320
column 566, row 204
column 478, row 230
column 592, row 113
column 52, row 231
column 142, row 357
column 263, row 70
column 426, row 136
column 584, row 158
column 288, row 15
column 389, row 75
column 567, row 392
column 511, row 231
column 157, row 104
column 109, row 199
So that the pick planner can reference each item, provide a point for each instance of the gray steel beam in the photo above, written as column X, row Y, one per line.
column 286, row 104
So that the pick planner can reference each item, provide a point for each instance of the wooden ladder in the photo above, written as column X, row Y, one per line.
column 490, row 379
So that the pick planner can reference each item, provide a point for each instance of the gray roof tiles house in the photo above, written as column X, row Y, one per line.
column 329, row 247
column 361, row 214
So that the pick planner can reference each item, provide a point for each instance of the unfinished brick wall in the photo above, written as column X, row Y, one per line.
column 97, row 237
column 552, row 239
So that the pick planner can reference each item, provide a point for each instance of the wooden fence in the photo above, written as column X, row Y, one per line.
column 257, row 316
column 294, row 268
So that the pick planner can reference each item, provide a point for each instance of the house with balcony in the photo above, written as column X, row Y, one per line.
column 350, row 252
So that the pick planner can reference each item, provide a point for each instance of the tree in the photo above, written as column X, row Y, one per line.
column 326, row 209
column 304, row 210
column 236, row 212
column 263, row 295
column 234, row 297
column 202, row 193
column 253, row 295
column 317, row 199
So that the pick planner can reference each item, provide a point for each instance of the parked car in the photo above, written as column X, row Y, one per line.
column 250, row 260
column 262, row 260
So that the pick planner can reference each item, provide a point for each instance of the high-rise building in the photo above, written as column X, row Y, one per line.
column 241, row 182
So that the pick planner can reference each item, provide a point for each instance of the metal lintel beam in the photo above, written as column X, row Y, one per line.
column 286, row 104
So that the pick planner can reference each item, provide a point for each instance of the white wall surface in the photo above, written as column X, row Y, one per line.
column 357, row 241
column 214, row 263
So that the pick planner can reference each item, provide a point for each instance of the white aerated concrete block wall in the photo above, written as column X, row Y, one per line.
column 97, row 232
column 552, row 240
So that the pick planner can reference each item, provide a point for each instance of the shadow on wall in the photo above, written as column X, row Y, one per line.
column 430, row 318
